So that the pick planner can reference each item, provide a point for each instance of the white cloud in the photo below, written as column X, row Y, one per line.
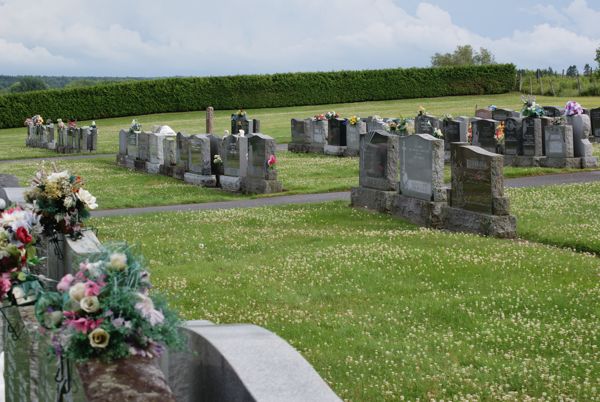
column 234, row 36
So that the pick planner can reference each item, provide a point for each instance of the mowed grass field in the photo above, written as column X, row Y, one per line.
column 385, row 310
column 276, row 122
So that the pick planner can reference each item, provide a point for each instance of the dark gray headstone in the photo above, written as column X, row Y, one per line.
column 132, row 144
column 477, row 178
column 454, row 130
column 425, row 124
column 552, row 111
column 215, row 149
column 336, row 135
column 422, row 167
column 559, row 141
column 123, row 142
column 532, row 136
column 300, row 132
column 182, row 150
column 378, row 165
column 513, row 136
column 595, row 118
column 8, row 180
column 241, row 122
column 484, row 134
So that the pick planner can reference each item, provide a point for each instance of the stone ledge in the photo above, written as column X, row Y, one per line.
column 523, row 161
column 152, row 168
column 200, row 180
column 305, row 148
column 231, row 183
column 251, row 185
column 461, row 220
column 574, row 163
column 334, row 150
column 376, row 200
column 589, row 162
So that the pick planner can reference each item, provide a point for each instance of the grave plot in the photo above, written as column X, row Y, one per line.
column 61, row 138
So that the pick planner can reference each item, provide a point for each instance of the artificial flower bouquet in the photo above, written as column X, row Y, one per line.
column 61, row 201
column 331, row 115
column 320, row 117
column 499, row 135
column 135, row 126
column 573, row 108
column 353, row 120
column 19, row 230
column 437, row 133
column 271, row 162
column 106, row 311
column 531, row 108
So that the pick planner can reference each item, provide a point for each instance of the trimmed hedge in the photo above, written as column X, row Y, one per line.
column 254, row 91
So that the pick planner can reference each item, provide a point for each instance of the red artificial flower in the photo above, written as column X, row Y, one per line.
column 23, row 235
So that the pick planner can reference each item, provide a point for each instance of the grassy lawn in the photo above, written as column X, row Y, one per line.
column 565, row 215
column 381, row 308
column 276, row 122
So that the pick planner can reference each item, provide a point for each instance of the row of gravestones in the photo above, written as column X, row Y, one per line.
column 404, row 176
column 332, row 137
column 528, row 141
column 66, row 139
column 191, row 158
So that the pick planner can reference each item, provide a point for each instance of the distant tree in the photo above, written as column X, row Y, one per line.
column 598, row 58
column 27, row 84
column 572, row 71
column 587, row 70
column 463, row 56
column 84, row 82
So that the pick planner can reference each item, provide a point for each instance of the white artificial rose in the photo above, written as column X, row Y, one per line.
column 77, row 292
column 88, row 199
column 118, row 261
column 69, row 201
column 59, row 176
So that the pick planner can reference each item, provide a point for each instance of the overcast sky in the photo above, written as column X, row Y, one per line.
column 185, row 37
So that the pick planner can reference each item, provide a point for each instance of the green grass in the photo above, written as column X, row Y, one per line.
column 565, row 215
column 276, row 122
column 381, row 308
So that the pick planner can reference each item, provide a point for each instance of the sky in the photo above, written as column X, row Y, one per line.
column 221, row 37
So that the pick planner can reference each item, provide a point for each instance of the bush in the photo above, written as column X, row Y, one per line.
column 254, row 91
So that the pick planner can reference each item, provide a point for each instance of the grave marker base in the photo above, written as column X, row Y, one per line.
column 167, row 170
column 419, row 212
column 179, row 172
column 574, row 163
column 231, row 183
column 376, row 200
column 140, row 165
column 152, row 168
column 589, row 162
column 251, row 185
column 305, row 148
column 522, row 161
column 200, row 180
column 462, row 220
column 334, row 150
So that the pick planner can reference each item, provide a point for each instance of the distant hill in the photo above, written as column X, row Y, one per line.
column 56, row 82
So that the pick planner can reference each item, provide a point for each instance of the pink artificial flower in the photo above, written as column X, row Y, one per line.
column 272, row 161
column 5, row 284
column 83, row 325
column 92, row 288
column 146, row 308
column 65, row 283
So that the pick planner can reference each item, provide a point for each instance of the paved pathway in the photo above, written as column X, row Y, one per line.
column 532, row 181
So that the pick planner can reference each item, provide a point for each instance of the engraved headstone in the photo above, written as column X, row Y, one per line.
column 235, row 155
column 132, row 144
column 143, row 145
column 425, row 124
column 378, row 165
column 300, row 132
column 582, row 128
column 182, row 150
column 375, row 123
column 484, row 133
column 559, row 141
column 454, row 130
column 170, row 151
column 422, row 167
column 123, row 142
column 353, row 134
column 320, row 131
column 532, row 136
column 336, row 135
column 477, row 180
column 241, row 122
column 199, row 155
column 513, row 135
column 260, row 149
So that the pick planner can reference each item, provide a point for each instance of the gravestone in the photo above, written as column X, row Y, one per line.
column 210, row 119
column 532, row 137
column 595, row 120
column 170, row 150
column 513, row 136
column 300, row 132
column 426, row 124
column 123, row 142
column 484, row 134
column 375, row 123
column 234, row 150
column 336, row 137
column 132, row 144
column 199, row 162
column 260, row 178
column 61, row 142
column 503, row 114
column 320, row 131
column 454, row 130
column 50, row 139
column 182, row 155
column 215, row 149
column 582, row 128
column 143, row 146
column 484, row 114
column 477, row 201
column 241, row 122
column 353, row 134
column 89, row 138
column 73, row 140
column 378, row 164
column 256, row 125
column 422, row 167
column 559, row 141
column 552, row 111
